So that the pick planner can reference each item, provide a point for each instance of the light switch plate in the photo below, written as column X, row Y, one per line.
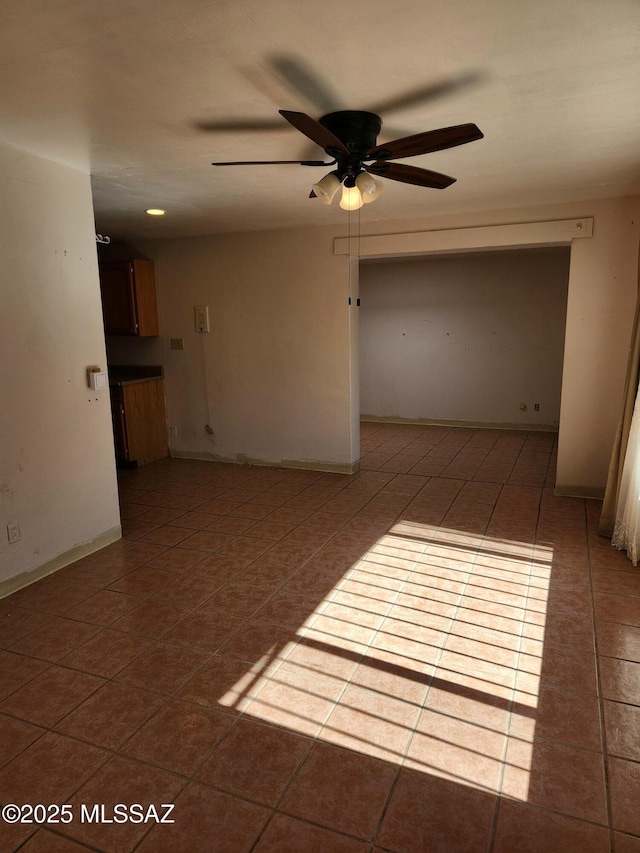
column 96, row 378
column 202, row 318
column 99, row 381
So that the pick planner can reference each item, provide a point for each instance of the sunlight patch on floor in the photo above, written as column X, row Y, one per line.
column 427, row 651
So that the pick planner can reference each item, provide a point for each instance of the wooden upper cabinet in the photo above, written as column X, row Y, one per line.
column 129, row 304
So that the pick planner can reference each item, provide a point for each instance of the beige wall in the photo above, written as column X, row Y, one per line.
column 57, row 468
column 465, row 338
column 602, row 298
column 273, row 377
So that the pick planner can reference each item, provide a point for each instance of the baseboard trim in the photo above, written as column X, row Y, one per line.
column 384, row 419
column 588, row 492
column 27, row 578
column 304, row 464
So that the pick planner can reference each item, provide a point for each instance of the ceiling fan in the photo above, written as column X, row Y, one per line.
column 349, row 137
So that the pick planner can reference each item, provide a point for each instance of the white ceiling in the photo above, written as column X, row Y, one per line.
column 120, row 87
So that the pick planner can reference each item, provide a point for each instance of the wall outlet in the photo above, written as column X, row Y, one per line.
column 13, row 532
column 536, row 407
column 201, row 318
column 176, row 343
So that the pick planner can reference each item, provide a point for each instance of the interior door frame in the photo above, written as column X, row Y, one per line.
column 525, row 235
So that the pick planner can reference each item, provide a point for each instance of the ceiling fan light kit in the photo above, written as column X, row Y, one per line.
column 327, row 187
column 369, row 186
column 349, row 137
column 351, row 195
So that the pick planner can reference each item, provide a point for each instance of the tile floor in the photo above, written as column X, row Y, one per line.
column 399, row 660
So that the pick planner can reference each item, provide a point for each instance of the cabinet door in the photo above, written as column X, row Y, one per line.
column 129, row 304
column 118, row 298
column 146, row 423
column 144, row 288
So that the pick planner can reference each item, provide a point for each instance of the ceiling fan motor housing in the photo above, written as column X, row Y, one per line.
column 358, row 130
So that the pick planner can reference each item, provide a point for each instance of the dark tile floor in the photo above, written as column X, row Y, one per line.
column 434, row 654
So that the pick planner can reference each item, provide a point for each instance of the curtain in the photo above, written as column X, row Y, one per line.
column 626, row 531
column 614, row 479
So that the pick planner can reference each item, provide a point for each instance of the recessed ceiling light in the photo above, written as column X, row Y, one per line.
column 155, row 211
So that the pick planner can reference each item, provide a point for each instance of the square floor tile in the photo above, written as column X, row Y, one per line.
column 51, row 594
column 624, row 787
column 176, row 560
column 179, row 737
column 464, row 752
column 530, row 830
column 44, row 841
column 16, row 623
column 438, row 815
column 556, row 776
column 622, row 727
column 51, row 695
column 142, row 582
column 237, row 598
column 260, row 641
column 152, row 618
column 621, row 609
column 626, row 843
column 225, row 683
column 122, row 781
column 16, row 671
column 620, row 680
column 111, row 715
column 68, row 763
column 572, row 718
column 228, row 824
column 562, row 667
column 55, row 639
column 295, row 700
column 15, row 736
column 205, row 629
column 335, row 661
column 106, row 653
column 255, row 761
column 619, row 641
column 285, row 834
column 101, row 608
column 341, row 790
column 163, row 667
column 372, row 723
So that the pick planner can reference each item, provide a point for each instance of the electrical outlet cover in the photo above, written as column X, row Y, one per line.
column 202, row 318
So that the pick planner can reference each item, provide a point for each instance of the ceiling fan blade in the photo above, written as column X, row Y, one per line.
column 239, row 124
column 425, row 143
column 299, row 76
column 426, row 93
column 411, row 175
column 314, row 131
column 274, row 163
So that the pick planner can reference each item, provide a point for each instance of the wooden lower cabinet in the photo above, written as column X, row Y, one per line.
column 139, row 421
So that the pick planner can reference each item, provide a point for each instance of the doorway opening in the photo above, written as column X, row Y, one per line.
column 472, row 339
